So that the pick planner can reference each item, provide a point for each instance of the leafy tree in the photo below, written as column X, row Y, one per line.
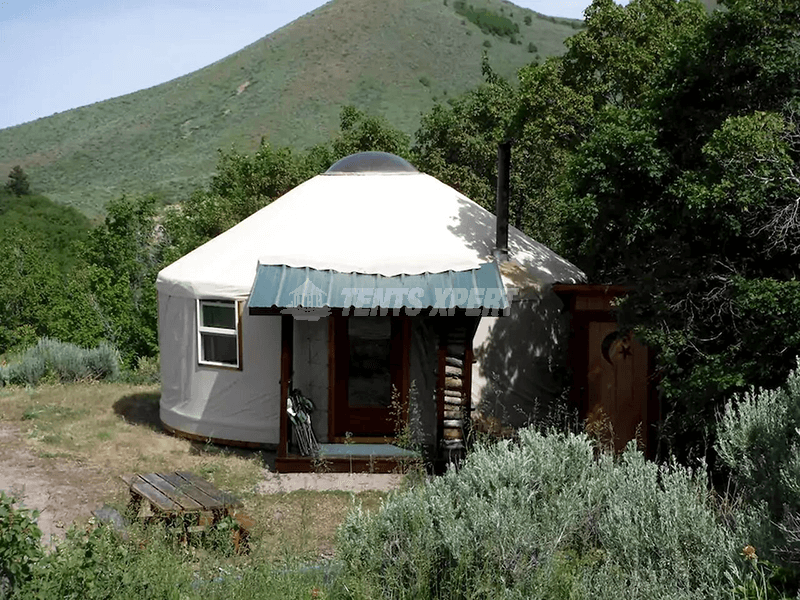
column 615, row 58
column 18, row 183
column 360, row 132
column 29, row 281
column 489, row 22
column 122, row 260
column 551, row 121
column 544, row 118
column 40, row 242
column 457, row 143
column 687, row 190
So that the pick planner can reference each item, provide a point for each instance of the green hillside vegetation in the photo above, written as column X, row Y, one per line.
column 40, row 245
column 58, row 228
column 62, row 278
column 395, row 58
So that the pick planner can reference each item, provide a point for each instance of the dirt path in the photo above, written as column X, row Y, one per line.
column 61, row 490
column 65, row 490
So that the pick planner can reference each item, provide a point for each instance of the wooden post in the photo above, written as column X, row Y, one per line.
column 332, row 376
column 469, row 359
column 440, row 377
column 406, row 365
column 287, row 359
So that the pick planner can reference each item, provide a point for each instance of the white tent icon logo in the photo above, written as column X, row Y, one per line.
column 308, row 303
column 307, row 295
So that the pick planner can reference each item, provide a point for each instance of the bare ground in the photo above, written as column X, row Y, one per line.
column 62, row 491
column 65, row 490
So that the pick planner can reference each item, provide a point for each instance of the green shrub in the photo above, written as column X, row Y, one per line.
column 532, row 48
column 101, row 564
column 545, row 518
column 151, row 562
column 148, row 370
column 758, row 439
column 20, row 547
column 62, row 362
column 489, row 22
column 487, row 44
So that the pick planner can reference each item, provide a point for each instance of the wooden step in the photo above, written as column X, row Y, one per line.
column 455, row 350
column 453, row 445
column 453, row 433
column 453, row 371
column 453, row 383
column 452, row 361
column 453, row 412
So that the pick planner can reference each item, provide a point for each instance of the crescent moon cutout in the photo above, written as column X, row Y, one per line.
column 608, row 341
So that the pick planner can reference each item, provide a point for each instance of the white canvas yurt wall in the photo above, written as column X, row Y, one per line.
column 212, row 402
column 386, row 223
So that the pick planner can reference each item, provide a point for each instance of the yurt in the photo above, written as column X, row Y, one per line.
column 380, row 293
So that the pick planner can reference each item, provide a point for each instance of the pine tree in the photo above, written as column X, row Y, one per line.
column 18, row 183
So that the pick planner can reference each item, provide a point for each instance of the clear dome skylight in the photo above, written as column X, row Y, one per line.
column 371, row 162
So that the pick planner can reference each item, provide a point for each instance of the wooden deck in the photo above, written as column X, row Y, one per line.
column 348, row 458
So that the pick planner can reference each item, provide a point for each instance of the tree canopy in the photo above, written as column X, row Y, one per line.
column 18, row 183
column 660, row 152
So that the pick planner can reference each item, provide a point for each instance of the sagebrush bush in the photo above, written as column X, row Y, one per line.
column 148, row 370
column 61, row 361
column 545, row 518
column 758, row 439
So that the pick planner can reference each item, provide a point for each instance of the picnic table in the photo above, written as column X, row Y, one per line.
column 184, row 495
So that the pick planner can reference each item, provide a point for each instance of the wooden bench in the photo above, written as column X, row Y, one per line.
column 184, row 495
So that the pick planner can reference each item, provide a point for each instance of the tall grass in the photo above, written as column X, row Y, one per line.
column 152, row 562
column 62, row 362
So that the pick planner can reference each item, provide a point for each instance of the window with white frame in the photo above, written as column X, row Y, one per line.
column 218, row 333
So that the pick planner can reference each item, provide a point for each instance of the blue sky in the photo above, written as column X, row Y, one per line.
column 60, row 54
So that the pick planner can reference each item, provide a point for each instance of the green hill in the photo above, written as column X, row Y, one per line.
column 395, row 58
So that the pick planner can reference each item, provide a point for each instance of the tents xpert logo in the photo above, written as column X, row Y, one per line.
column 479, row 302
column 307, row 303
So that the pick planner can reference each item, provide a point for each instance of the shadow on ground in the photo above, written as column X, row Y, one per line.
column 140, row 409
column 143, row 409
column 265, row 457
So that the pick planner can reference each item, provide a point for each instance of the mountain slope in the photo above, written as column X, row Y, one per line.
column 394, row 58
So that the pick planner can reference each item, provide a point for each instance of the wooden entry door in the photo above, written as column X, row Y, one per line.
column 370, row 374
column 617, row 387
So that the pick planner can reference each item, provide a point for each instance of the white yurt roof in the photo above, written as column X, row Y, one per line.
column 351, row 221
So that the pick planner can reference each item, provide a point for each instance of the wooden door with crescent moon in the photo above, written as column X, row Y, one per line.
column 617, row 390
column 612, row 378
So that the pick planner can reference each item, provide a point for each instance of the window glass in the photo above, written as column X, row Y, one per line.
column 220, row 349
column 218, row 334
column 216, row 314
column 370, row 382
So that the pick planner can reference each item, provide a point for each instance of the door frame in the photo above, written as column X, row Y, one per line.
column 339, row 421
